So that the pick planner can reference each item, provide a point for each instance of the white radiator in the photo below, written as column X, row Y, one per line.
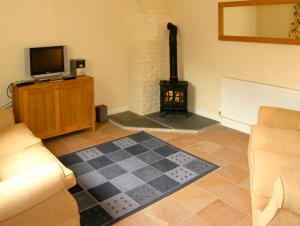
column 240, row 101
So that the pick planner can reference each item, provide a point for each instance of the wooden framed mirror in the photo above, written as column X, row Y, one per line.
column 266, row 21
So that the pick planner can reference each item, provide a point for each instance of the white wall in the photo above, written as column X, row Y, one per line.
column 93, row 29
column 204, row 59
column 96, row 29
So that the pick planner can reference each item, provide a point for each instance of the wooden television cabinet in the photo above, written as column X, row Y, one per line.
column 53, row 108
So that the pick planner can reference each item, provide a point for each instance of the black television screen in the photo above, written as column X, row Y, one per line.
column 46, row 60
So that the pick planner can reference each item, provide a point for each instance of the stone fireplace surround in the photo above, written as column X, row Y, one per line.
column 148, row 51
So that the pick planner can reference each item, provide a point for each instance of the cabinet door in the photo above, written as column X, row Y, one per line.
column 75, row 105
column 40, row 111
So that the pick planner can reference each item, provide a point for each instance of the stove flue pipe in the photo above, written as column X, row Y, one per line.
column 173, row 52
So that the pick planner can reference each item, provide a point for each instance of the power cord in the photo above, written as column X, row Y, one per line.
column 9, row 95
column 9, row 90
column 6, row 106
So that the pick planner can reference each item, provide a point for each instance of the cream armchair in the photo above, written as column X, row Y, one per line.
column 274, row 161
column 33, row 183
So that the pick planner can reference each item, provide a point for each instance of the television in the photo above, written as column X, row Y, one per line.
column 46, row 61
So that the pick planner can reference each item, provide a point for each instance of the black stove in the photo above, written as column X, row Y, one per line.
column 173, row 93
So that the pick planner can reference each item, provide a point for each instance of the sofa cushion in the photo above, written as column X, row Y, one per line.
column 30, row 188
column 30, row 159
column 16, row 138
column 59, row 210
column 22, row 161
column 285, row 218
column 278, row 118
column 267, row 167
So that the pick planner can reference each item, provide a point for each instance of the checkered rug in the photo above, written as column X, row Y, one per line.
column 121, row 177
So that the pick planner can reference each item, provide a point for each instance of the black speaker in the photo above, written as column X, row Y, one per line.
column 77, row 67
column 101, row 113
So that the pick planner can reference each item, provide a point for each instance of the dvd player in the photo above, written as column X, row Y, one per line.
column 24, row 83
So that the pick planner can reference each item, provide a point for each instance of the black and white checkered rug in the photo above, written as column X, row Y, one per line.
column 121, row 177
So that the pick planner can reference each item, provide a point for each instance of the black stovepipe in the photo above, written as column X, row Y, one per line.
column 173, row 52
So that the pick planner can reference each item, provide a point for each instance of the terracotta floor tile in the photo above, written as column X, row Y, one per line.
column 185, row 140
column 164, row 136
column 194, row 220
column 229, row 155
column 242, row 164
column 215, row 184
column 194, row 151
column 226, row 138
column 239, row 146
column 194, row 198
column 167, row 211
column 137, row 219
column 216, row 160
column 120, row 134
column 206, row 146
column 233, row 173
column 75, row 142
column 90, row 135
column 101, row 140
column 247, row 221
column 245, row 184
column 57, row 147
column 239, row 198
column 221, row 214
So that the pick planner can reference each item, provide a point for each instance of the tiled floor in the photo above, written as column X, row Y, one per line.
column 221, row 198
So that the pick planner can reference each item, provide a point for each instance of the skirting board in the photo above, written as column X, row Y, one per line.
column 236, row 125
column 205, row 114
column 117, row 110
column 232, row 124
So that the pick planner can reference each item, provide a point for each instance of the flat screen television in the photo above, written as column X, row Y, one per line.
column 46, row 61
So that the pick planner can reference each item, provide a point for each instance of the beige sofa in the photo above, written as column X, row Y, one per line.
column 274, row 161
column 33, row 183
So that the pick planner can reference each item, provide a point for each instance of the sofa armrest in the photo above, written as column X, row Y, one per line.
column 6, row 118
column 16, row 138
column 266, row 167
column 275, row 140
column 262, row 218
column 278, row 118
column 24, row 191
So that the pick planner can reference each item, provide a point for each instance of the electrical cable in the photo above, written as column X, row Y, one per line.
column 6, row 106
column 9, row 95
column 9, row 91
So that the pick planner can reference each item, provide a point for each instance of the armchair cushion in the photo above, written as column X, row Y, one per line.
column 275, row 140
column 59, row 210
column 23, row 161
column 285, row 218
column 263, row 217
column 267, row 166
column 278, row 118
column 26, row 190
column 16, row 138
column 6, row 118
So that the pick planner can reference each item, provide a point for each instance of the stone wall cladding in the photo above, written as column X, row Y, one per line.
column 148, row 51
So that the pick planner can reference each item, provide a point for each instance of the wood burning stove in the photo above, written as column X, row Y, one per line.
column 173, row 93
